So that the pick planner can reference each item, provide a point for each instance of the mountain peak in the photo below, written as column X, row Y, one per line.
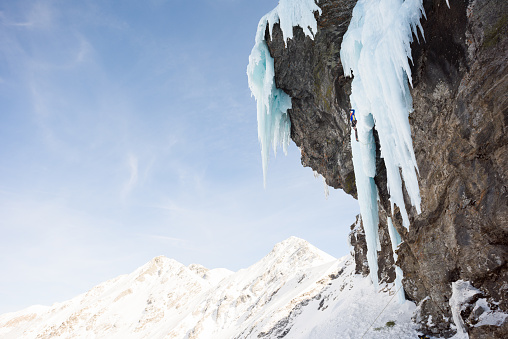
column 292, row 288
column 292, row 241
column 299, row 248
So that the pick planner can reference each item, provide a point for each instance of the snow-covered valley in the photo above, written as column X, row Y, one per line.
column 296, row 291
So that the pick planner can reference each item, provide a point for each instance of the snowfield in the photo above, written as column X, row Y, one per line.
column 296, row 291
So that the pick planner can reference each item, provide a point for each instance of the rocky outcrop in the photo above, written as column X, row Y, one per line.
column 459, row 129
column 309, row 70
column 359, row 247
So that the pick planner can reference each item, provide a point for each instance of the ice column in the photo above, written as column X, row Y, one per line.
column 364, row 156
column 375, row 49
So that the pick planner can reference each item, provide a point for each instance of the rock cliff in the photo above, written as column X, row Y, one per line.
column 459, row 129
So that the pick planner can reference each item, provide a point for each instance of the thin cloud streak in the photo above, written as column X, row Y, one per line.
column 133, row 178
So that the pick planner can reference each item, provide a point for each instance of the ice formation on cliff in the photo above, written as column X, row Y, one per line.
column 396, row 240
column 272, row 103
column 376, row 49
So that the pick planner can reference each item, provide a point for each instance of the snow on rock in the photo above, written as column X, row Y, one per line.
column 462, row 293
column 375, row 50
column 296, row 291
column 488, row 316
column 272, row 102
column 466, row 296
column 257, row 297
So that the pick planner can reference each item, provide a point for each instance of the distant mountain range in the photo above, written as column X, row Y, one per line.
column 296, row 291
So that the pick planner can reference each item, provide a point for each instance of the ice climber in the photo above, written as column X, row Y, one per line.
column 353, row 121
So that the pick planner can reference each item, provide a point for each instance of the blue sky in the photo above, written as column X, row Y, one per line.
column 127, row 131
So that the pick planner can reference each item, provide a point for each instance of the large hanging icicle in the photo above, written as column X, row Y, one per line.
column 396, row 240
column 367, row 196
column 273, row 103
column 375, row 49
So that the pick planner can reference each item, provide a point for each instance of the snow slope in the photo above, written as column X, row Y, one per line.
column 296, row 291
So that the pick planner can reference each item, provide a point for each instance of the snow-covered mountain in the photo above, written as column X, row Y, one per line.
column 296, row 291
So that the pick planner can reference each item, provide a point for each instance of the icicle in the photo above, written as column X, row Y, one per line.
column 272, row 103
column 326, row 190
column 376, row 49
column 395, row 240
column 367, row 198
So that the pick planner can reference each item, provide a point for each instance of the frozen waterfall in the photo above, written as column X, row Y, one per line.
column 375, row 50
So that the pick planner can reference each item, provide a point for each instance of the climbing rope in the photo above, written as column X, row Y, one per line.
column 382, row 311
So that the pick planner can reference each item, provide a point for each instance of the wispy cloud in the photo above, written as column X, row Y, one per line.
column 171, row 206
column 84, row 51
column 41, row 15
column 129, row 185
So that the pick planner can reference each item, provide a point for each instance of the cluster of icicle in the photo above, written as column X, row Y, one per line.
column 272, row 103
column 376, row 52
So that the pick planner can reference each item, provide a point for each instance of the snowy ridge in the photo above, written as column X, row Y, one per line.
column 120, row 307
column 296, row 291
column 273, row 103
column 376, row 49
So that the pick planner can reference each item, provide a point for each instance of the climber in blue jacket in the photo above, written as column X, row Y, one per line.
column 352, row 117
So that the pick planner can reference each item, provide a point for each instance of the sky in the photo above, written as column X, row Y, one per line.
column 128, row 131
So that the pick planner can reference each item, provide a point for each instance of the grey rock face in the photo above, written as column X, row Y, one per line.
column 459, row 132
column 359, row 246
column 459, row 129
column 310, row 72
